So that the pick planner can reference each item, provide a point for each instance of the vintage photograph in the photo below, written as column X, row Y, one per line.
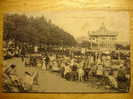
column 66, row 52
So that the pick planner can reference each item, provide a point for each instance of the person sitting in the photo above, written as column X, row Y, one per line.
column 112, row 81
column 12, row 80
column 11, row 70
column 99, row 71
column 122, row 79
column 28, row 81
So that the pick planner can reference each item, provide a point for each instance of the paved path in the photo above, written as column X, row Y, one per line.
column 52, row 82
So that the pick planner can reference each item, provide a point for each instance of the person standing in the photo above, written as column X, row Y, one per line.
column 47, row 60
column 80, row 74
column 67, row 71
column 62, row 69
column 43, row 64
column 23, row 53
column 36, row 49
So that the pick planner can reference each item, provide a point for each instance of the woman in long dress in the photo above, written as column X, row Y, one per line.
column 43, row 64
column 80, row 74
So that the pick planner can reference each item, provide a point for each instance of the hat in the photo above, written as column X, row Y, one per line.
column 27, row 73
column 12, row 66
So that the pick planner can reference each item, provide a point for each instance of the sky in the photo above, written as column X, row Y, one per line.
column 79, row 22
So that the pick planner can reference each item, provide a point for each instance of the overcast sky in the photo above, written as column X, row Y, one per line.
column 78, row 23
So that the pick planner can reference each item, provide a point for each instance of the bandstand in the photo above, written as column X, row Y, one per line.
column 102, row 39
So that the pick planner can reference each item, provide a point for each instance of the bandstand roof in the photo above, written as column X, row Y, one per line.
column 102, row 32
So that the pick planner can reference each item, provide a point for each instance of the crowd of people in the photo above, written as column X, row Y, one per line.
column 107, row 71
column 82, row 68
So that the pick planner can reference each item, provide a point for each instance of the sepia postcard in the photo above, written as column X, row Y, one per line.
column 66, row 52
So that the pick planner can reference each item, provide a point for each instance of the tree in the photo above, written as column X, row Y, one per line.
column 35, row 30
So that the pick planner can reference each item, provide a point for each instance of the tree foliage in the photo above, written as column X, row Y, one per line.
column 122, row 47
column 35, row 30
column 85, row 44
